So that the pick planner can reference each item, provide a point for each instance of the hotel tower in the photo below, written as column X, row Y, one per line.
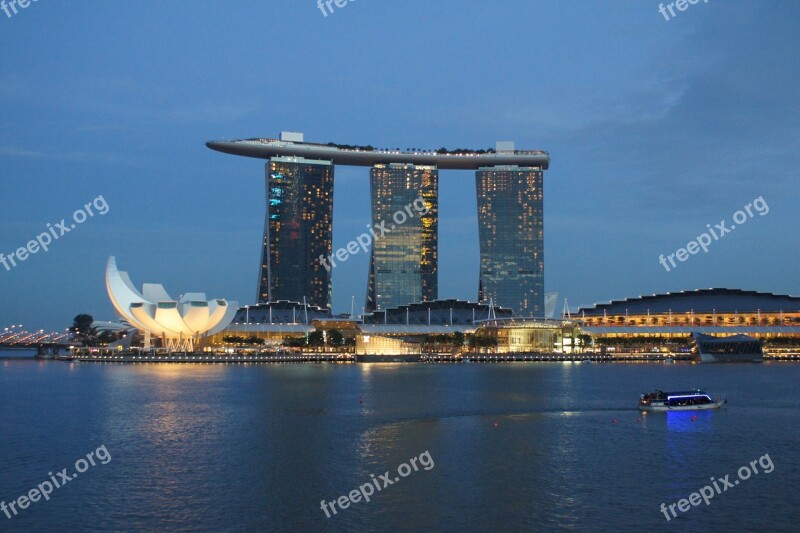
column 511, row 234
column 297, row 230
column 403, row 265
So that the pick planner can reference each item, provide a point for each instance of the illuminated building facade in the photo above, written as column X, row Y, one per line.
column 179, row 324
column 744, row 311
column 668, row 320
column 532, row 335
column 297, row 231
column 511, row 233
column 404, row 260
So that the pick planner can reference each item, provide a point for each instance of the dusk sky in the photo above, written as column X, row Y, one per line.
column 655, row 128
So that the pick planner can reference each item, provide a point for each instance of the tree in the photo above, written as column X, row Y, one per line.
column 458, row 339
column 473, row 341
column 83, row 330
column 482, row 341
column 236, row 339
column 315, row 338
column 335, row 338
column 294, row 342
column 585, row 339
column 489, row 342
column 82, row 324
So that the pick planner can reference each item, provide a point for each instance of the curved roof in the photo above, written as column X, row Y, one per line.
column 443, row 305
column 279, row 312
column 699, row 301
column 449, row 311
column 269, row 148
column 155, row 311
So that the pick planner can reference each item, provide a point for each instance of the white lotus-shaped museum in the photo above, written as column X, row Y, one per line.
column 180, row 323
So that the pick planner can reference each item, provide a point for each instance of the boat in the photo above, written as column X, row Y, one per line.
column 694, row 400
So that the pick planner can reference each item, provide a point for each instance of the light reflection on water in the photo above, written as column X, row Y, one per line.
column 520, row 447
column 689, row 421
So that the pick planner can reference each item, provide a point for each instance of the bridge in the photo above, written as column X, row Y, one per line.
column 16, row 337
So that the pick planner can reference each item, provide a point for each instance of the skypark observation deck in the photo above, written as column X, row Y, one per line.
column 367, row 156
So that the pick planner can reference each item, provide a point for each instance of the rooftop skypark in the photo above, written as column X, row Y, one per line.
column 293, row 144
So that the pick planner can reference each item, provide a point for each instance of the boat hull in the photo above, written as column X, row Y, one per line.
column 663, row 408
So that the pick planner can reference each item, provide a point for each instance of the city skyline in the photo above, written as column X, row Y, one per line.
column 399, row 266
column 403, row 242
column 647, row 122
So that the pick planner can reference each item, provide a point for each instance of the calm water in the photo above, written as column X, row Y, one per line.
column 522, row 447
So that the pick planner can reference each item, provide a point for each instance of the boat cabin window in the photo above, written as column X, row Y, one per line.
column 689, row 400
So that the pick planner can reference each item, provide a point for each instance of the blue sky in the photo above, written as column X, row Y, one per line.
column 655, row 128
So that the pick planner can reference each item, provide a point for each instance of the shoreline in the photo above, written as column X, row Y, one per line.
column 206, row 358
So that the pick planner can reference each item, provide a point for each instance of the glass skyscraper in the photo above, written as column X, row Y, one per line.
column 511, row 232
column 298, row 229
column 404, row 261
